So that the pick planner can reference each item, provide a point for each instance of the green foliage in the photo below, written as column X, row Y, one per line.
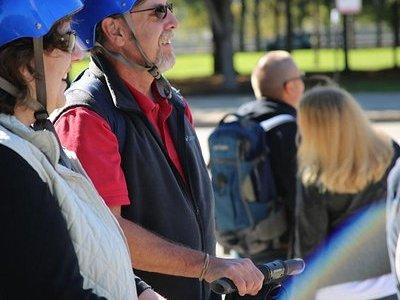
column 191, row 14
column 201, row 65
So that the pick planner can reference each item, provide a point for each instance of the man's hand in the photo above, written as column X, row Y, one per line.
column 244, row 274
column 149, row 294
column 154, row 254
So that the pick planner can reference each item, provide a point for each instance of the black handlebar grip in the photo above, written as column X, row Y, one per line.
column 274, row 271
column 294, row 266
column 223, row 286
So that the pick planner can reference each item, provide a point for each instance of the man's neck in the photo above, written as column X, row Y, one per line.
column 140, row 79
column 288, row 101
column 280, row 99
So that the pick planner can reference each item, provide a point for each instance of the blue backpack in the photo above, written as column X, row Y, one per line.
column 248, row 213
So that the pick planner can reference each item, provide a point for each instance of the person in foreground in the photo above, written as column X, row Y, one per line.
column 59, row 239
column 343, row 166
column 135, row 138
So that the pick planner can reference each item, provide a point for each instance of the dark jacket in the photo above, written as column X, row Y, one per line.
column 349, row 227
column 281, row 142
column 161, row 201
column 319, row 212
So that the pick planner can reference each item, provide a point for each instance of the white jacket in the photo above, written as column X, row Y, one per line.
column 99, row 243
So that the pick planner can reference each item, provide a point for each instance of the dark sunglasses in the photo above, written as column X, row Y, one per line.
column 160, row 10
column 65, row 42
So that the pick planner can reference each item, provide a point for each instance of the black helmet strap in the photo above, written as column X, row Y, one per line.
column 8, row 87
column 40, row 80
column 162, row 84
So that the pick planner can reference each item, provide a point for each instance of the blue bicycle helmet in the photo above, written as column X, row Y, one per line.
column 33, row 18
column 95, row 11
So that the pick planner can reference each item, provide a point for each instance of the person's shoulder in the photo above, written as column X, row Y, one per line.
column 7, row 155
column 79, row 115
column 285, row 124
column 14, row 168
column 257, row 109
column 312, row 193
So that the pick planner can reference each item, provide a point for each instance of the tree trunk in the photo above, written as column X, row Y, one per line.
column 277, row 27
column 302, row 13
column 216, row 52
column 256, row 14
column 317, row 33
column 242, row 26
column 328, row 26
column 345, row 43
column 222, row 26
column 395, row 24
column 379, row 5
column 289, row 29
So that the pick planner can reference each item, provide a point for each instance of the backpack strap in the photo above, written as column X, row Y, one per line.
column 276, row 121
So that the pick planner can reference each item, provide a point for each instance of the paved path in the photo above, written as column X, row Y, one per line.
column 208, row 110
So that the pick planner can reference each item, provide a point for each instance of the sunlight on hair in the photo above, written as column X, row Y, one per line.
column 339, row 148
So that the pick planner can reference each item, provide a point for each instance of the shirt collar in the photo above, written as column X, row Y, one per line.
column 145, row 103
column 287, row 107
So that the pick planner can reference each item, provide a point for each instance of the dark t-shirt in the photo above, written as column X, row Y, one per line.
column 37, row 257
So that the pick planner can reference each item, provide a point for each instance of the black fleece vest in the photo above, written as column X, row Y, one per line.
column 161, row 201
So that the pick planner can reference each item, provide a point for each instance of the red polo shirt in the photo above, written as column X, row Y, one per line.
column 91, row 138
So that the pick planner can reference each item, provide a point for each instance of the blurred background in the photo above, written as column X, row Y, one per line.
column 218, row 42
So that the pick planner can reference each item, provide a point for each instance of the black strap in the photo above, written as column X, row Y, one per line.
column 40, row 81
column 46, row 124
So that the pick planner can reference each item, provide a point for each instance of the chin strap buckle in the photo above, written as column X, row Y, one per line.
column 153, row 70
column 164, row 87
column 41, row 115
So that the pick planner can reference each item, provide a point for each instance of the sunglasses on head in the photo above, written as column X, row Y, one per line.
column 65, row 42
column 160, row 10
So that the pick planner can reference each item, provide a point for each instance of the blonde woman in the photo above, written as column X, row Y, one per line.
column 343, row 163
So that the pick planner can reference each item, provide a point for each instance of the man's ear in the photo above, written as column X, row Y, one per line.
column 287, row 87
column 113, row 29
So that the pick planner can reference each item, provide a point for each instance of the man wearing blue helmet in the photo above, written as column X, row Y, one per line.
column 59, row 240
column 135, row 137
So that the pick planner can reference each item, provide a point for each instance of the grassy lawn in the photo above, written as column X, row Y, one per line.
column 201, row 65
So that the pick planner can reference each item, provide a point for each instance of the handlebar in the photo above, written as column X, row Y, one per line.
column 274, row 272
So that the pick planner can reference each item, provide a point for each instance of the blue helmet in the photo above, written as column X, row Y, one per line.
column 33, row 18
column 94, row 12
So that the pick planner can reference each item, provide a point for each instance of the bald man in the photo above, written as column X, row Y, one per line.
column 278, row 87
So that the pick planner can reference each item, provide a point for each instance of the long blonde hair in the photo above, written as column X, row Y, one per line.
column 339, row 148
